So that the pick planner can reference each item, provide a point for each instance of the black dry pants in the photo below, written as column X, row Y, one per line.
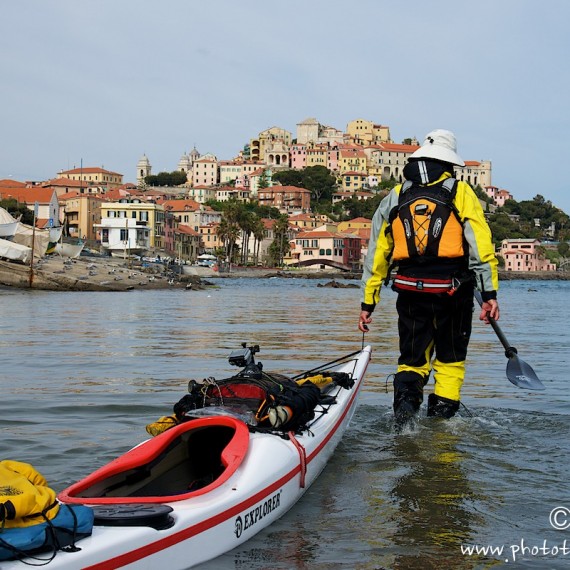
column 433, row 325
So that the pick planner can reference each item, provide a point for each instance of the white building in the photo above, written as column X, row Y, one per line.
column 122, row 237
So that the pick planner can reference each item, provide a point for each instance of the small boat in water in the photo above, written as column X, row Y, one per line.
column 239, row 454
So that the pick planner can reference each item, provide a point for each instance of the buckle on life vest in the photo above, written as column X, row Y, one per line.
column 425, row 285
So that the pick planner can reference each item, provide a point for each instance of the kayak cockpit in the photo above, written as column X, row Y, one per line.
column 188, row 460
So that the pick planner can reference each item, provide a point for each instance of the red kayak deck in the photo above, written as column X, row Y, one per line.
column 185, row 461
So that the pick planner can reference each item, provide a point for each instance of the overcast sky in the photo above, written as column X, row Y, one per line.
column 102, row 82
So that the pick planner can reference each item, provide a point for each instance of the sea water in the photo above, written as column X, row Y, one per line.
column 83, row 373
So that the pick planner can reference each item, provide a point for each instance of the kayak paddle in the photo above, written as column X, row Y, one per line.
column 519, row 372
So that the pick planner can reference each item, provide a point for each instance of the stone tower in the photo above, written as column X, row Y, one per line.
column 143, row 169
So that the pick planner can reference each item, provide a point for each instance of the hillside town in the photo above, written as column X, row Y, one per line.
column 191, row 221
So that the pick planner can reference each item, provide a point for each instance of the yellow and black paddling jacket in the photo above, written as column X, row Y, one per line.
column 434, row 232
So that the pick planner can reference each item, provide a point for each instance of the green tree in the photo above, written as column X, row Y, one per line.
column 503, row 227
column 258, row 235
column 563, row 248
column 263, row 181
column 17, row 209
column 176, row 178
column 318, row 179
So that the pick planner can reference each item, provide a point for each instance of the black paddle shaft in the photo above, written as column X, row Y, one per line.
column 510, row 351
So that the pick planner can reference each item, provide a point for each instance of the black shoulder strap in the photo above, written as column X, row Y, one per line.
column 450, row 184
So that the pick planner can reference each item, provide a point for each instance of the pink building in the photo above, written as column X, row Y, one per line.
column 332, row 246
column 524, row 255
column 499, row 196
column 298, row 156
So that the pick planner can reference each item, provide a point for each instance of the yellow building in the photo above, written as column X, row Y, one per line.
column 316, row 154
column 209, row 239
column 352, row 159
column 144, row 214
column 387, row 160
column 355, row 224
column 259, row 147
column 93, row 176
column 81, row 212
column 364, row 133
column 351, row 181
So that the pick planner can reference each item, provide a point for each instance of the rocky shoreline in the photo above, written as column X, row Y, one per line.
column 56, row 273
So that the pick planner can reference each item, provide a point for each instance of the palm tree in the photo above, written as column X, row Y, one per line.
column 246, row 223
column 258, row 235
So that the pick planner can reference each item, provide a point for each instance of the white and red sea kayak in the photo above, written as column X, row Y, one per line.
column 203, row 487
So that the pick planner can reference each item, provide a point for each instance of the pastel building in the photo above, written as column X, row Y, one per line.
column 285, row 198
column 298, row 156
column 191, row 213
column 82, row 213
column 201, row 193
column 365, row 133
column 475, row 173
column 387, row 160
column 525, row 255
column 498, row 196
column 352, row 159
column 205, row 171
column 132, row 223
column 49, row 213
column 311, row 131
column 93, row 175
column 268, row 142
column 319, row 245
column 352, row 181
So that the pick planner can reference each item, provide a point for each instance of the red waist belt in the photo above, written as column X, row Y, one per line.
column 424, row 285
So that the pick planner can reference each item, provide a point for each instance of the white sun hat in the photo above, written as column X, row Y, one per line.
column 440, row 145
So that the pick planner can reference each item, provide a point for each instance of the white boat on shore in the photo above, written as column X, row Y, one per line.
column 71, row 250
column 14, row 251
column 213, row 481
column 8, row 224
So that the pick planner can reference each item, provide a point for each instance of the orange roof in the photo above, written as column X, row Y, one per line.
column 309, row 217
column 7, row 183
column 317, row 234
column 73, row 195
column 66, row 182
column 352, row 152
column 285, row 189
column 182, row 205
column 89, row 170
column 359, row 220
column 472, row 163
column 393, row 147
column 116, row 194
column 186, row 230
column 363, row 233
column 28, row 195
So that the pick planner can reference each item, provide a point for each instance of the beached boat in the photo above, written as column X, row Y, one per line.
column 71, row 250
column 214, row 480
column 8, row 224
column 15, row 251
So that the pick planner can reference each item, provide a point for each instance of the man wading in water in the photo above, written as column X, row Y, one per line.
column 433, row 230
